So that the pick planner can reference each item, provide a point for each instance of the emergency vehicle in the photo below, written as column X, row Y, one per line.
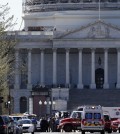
column 71, row 123
column 92, row 119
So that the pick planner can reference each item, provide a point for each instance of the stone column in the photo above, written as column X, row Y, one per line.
column 42, row 67
column 54, row 67
column 67, row 68
column 118, row 68
column 93, row 85
column 106, row 85
column 80, row 84
column 29, row 86
column 17, row 84
column 31, row 105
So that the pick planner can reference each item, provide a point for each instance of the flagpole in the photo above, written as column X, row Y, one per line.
column 99, row 9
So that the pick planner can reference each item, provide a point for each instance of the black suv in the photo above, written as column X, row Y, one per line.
column 4, row 124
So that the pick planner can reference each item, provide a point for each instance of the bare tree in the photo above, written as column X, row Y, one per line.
column 7, row 43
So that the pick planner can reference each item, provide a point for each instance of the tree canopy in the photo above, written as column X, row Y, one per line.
column 7, row 43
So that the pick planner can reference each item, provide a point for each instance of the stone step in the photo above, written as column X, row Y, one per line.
column 103, row 97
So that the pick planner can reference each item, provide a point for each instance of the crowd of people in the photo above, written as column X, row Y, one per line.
column 49, row 125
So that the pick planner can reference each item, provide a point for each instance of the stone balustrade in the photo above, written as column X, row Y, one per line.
column 59, row 5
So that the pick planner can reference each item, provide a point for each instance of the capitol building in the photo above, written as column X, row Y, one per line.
column 66, row 45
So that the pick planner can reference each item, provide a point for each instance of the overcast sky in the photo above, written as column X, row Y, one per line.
column 16, row 10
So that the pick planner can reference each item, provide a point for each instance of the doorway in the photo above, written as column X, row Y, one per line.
column 99, row 78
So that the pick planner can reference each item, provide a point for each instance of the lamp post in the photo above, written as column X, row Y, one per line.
column 40, row 103
column 9, row 107
column 54, row 105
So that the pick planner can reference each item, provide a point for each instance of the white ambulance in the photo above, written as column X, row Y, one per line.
column 92, row 119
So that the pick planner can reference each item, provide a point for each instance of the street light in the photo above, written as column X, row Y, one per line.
column 40, row 103
column 9, row 107
column 54, row 105
column 45, row 102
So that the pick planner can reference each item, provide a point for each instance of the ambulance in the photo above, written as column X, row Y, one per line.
column 92, row 119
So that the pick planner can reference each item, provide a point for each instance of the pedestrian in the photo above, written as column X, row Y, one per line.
column 57, row 120
column 44, row 125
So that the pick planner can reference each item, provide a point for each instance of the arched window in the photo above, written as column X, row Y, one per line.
column 23, row 104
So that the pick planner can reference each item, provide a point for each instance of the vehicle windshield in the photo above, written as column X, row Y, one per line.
column 25, row 122
column 76, row 115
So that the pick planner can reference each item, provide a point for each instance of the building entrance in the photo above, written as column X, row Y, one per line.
column 99, row 78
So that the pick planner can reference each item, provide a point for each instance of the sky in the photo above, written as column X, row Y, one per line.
column 16, row 10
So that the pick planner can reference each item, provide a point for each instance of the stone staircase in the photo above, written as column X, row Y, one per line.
column 103, row 97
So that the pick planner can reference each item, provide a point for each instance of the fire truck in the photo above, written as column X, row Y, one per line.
column 72, row 123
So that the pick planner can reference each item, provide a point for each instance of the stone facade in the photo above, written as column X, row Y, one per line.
column 75, row 49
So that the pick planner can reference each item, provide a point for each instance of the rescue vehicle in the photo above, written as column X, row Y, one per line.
column 92, row 119
column 72, row 123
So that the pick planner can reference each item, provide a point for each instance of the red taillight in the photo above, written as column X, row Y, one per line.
column 4, row 126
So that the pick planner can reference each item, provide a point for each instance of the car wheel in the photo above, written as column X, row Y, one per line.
column 119, row 130
column 67, row 128
column 83, row 132
column 110, row 131
column 102, row 132
column 114, row 130
column 32, row 132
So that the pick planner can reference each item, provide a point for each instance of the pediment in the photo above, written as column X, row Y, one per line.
column 97, row 30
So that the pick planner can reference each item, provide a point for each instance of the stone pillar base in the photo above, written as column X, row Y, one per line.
column 92, row 86
column 106, row 86
column 80, row 86
column 16, row 86
column 29, row 86
column 118, row 86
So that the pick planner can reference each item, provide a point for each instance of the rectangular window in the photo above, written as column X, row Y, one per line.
column 88, row 116
column 97, row 116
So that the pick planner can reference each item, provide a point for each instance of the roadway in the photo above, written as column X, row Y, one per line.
column 70, row 133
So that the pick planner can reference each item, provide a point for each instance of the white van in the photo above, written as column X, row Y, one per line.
column 92, row 119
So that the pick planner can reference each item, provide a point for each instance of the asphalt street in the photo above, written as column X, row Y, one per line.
column 70, row 133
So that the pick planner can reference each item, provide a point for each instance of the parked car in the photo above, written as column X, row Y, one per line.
column 17, row 117
column 16, row 128
column 3, row 126
column 115, row 124
column 27, row 126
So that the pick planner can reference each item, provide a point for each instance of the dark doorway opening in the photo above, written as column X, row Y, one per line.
column 23, row 104
column 99, row 78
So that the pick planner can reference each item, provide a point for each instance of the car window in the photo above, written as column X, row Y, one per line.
column 106, row 118
column 88, row 115
column 17, row 118
column 97, row 116
column 26, row 122
column 6, row 119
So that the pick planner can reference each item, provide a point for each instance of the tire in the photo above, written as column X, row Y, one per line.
column 114, row 130
column 67, row 128
column 110, row 131
column 119, row 130
column 83, row 132
column 102, row 132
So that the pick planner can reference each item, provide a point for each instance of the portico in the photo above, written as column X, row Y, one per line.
column 71, row 59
